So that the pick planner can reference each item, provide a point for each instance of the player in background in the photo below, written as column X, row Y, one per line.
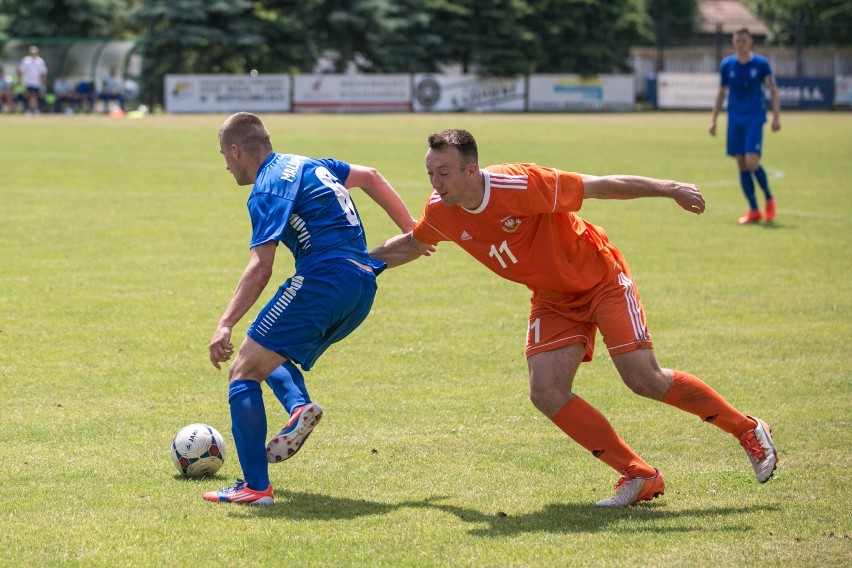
column 302, row 203
column 743, row 76
column 519, row 220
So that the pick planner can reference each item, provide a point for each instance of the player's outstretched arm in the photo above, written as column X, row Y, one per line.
column 377, row 187
column 401, row 249
column 686, row 195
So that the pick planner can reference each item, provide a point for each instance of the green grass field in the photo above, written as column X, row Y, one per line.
column 122, row 241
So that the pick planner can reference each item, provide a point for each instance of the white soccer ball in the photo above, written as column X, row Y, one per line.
column 198, row 450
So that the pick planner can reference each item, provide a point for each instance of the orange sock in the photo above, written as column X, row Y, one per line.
column 692, row 395
column 592, row 430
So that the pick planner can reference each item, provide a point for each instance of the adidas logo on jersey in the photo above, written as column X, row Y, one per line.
column 465, row 236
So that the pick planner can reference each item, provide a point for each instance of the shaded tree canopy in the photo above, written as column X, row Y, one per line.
column 64, row 18
column 489, row 37
column 815, row 22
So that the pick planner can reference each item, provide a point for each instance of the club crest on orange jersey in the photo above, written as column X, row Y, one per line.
column 510, row 224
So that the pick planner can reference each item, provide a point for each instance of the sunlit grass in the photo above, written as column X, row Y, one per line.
column 122, row 242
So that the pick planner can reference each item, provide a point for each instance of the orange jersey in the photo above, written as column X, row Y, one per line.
column 526, row 231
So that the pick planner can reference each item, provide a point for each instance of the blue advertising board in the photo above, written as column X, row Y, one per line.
column 805, row 92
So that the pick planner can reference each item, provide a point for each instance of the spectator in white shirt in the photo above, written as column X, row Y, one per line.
column 33, row 73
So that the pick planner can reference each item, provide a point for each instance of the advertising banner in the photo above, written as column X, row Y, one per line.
column 448, row 93
column 553, row 93
column 843, row 90
column 348, row 93
column 805, row 92
column 687, row 90
column 227, row 93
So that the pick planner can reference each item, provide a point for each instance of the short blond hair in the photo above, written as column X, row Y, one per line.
column 247, row 131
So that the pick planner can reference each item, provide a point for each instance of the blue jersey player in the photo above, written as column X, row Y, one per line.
column 304, row 204
column 743, row 77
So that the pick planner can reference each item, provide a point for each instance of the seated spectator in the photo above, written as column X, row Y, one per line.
column 67, row 98
column 112, row 90
column 86, row 95
column 6, row 101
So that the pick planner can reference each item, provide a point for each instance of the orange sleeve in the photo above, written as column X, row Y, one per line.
column 569, row 191
column 553, row 190
column 425, row 230
column 565, row 188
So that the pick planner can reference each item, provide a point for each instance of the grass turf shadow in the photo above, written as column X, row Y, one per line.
column 553, row 518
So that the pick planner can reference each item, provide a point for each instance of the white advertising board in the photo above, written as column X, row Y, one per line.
column 348, row 93
column 552, row 93
column 227, row 93
column 448, row 93
column 843, row 90
column 687, row 90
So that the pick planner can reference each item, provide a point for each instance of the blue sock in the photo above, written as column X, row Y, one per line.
column 288, row 386
column 747, row 184
column 760, row 174
column 248, row 424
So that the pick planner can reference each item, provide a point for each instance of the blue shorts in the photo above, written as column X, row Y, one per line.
column 745, row 137
column 313, row 309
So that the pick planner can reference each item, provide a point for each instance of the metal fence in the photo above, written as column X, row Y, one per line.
column 785, row 61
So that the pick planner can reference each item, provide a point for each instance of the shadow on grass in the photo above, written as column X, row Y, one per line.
column 554, row 518
column 770, row 225
column 188, row 479
column 586, row 517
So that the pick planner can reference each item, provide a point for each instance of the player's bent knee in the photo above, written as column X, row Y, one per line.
column 538, row 399
column 243, row 369
column 650, row 385
column 549, row 400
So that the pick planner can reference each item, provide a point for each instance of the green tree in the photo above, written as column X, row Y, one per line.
column 287, row 27
column 407, row 42
column 588, row 36
column 490, row 37
column 64, row 18
column 507, row 39
column 195, row 36
column 371, row 35
column 673, row 20
column 815, row 22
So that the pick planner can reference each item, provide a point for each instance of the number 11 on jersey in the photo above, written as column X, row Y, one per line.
column 534, row 330
column 499, row 253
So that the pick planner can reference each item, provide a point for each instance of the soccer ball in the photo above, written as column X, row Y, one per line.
column 198, row 450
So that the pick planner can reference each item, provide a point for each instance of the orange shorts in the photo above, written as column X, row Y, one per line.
column 557, row 319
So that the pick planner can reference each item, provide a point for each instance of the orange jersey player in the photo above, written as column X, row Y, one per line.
column 519, row 220
column 525, row 231
column 524, row 224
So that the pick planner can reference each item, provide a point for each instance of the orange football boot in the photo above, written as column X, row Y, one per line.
column 770, row 210
column 753, row 216
column 628, row 492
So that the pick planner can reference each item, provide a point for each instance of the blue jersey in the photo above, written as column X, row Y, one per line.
column 302, row 203
column 746, row 101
